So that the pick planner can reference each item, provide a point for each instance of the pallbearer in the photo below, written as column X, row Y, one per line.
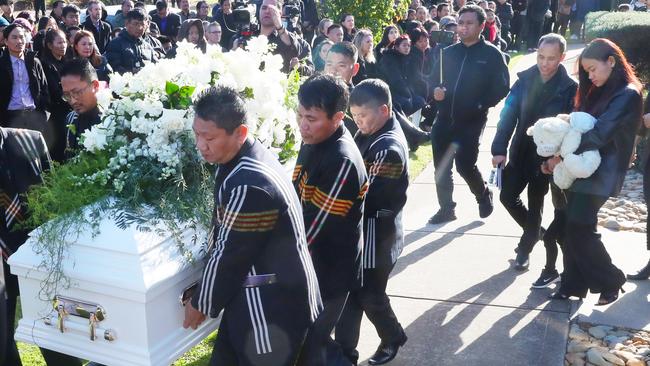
column 331, row 181
column 260, row 272
column 385, row 153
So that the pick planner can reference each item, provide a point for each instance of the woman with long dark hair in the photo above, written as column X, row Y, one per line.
column 196, row 34
column 389, row 36
column 610, row 91
column 52, row 57
column 394, row 70
column 45, row 23
column 84, row 46
column 347, row 21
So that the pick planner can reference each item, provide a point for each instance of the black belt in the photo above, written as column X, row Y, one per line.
column 260, row 280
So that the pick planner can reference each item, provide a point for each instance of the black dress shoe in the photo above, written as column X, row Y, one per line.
column 643, row 274
column 521, row 261
column 485, row 205
column 386, row 352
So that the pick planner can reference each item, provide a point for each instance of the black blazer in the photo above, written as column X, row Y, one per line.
column 102, row 36
column 613, row 136
column 171, row 27
column 37, row 83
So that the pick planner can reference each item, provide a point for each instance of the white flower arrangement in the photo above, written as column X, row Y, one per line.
column 152, row 117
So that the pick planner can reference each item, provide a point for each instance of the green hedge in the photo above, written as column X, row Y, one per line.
column 369, row 14
column 631, row 31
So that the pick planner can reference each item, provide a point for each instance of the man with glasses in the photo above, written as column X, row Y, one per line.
column 213, row 34
column 80, row 85
column 129, row 50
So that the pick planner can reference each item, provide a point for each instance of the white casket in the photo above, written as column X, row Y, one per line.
column 130, row 280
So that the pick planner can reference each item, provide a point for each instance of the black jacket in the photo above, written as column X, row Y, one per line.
column 613, row 136
column 258, row 230
column 23, row 157
column 331, row 182
column 476, row 79
column 505, row 14
column 386, row 156
column 537, row 9
column 37, row 83
column 172, row 25
column 127, row 54
column 394, row 70
column 420, row 65
column 514, row 118
column 102, row 36
column 367, row 70
column 228, row 28
column 77, row 124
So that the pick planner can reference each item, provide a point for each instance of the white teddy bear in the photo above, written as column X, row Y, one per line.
column 555, row 137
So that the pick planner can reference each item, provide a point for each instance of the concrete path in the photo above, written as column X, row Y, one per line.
column 455, row 292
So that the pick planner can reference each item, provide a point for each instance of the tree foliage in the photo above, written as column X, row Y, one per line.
column 369, row 14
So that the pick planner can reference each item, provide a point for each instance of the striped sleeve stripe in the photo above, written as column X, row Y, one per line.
column 209, row 275
column 321, row 217
column 298, row 227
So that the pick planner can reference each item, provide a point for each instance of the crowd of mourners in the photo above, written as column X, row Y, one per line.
column 433, row 76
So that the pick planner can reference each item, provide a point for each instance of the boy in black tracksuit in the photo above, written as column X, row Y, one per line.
column 385, row 153
column 475, row 78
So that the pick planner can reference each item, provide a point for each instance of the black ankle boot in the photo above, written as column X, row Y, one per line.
column 643, row 274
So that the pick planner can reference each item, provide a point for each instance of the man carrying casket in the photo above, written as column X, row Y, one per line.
column 260, row 272
column 23, row 158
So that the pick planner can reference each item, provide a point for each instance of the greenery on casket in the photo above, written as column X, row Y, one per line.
column 369, row 14
column 629, row 30
column 140, row 166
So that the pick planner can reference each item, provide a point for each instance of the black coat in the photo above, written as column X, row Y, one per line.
column 613, row 136
column 127, row 54
column 172, row 25
column 102, row 36
column 37, row 83
column 331, row 182
column 505, row 14
column 394, row 70
column 228, row 28
column 386, row 156
column 476, row 79
column 420, row 65
column 537, row 9
column 514, row 118
column 367, row 70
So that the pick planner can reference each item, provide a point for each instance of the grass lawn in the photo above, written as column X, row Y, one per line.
column 200, row 355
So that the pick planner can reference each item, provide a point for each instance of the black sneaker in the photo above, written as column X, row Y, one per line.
column 546, row 278
column 442, row 216
column 521, row 261
column 485, row 205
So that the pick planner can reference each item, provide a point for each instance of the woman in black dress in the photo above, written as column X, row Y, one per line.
column 610, row 91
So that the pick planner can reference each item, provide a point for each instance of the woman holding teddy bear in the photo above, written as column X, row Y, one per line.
column 610, row 91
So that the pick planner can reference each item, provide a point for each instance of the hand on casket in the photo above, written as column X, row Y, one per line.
column 193, row 317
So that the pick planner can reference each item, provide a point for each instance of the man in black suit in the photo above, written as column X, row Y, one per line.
column 168, row 23
column 99, row 28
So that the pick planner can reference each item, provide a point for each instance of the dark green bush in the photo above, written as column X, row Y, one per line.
column 630, row 30
column 369, row 14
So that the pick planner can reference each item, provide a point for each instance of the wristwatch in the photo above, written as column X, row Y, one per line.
column 280, row 30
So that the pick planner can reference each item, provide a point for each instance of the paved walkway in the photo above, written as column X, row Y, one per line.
column 461, row 302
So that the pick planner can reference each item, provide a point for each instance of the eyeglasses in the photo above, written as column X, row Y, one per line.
column 75, row 94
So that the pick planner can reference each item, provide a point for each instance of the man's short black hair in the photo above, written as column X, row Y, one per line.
column 161, row 4
column 324, row 92
column 70, row 8
column 480, row 13
column 346, row 49
column 4, row 2
column 442, row 5
column 223, row 106
column 416, row 33
column 56, row 3
column 10, row 28
column 371, row 92
column 79, row 67
column 135, row 14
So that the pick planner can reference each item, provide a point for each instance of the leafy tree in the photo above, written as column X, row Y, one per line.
column 369, row 14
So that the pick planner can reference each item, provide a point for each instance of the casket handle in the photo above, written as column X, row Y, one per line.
column 84, row 309
column 109, row 334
